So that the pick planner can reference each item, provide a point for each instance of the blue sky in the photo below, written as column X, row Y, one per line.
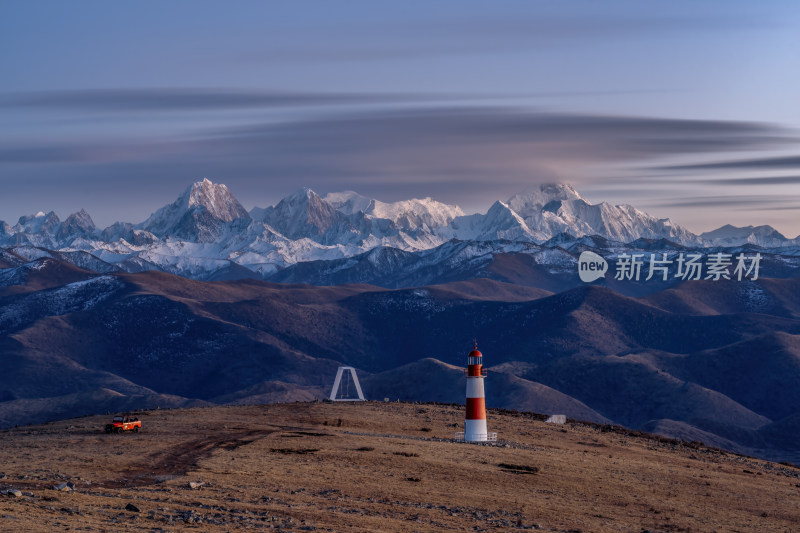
column 687, row 110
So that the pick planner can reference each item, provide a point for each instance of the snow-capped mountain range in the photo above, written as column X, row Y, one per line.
column 206, row 233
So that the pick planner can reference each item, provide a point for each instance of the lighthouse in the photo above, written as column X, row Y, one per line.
column 475, row 420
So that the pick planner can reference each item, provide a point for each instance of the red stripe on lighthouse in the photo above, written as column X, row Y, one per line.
column 476, row 409
column 475, row 370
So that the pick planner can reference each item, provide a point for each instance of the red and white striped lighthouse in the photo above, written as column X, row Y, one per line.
column 475, row 421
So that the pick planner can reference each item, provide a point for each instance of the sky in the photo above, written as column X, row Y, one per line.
column 686, row 110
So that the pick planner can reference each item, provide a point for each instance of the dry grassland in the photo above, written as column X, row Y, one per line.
column 378, row 467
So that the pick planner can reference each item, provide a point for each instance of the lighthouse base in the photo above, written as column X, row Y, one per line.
column 489, row 437
column 475, row 431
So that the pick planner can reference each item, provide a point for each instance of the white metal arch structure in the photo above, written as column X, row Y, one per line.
column 338, row 382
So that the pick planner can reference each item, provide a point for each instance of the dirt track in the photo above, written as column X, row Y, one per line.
column 178, row 460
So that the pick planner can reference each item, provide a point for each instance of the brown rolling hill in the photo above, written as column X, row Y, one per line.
column 40, row 274
column 488, row 289
column 522, row 269
column 55, row 408
column 632, row 392
column 440, row 382
column 8, row 259
column 760, row 373
column 378, row 467
column 775, row 297
column 588, row 352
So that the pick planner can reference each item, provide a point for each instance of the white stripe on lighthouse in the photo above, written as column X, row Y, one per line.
column 475, row 387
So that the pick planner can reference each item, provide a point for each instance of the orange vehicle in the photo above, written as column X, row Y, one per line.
column 124, row 423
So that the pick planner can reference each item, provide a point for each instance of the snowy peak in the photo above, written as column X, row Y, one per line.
column 117, row 231
column 302, row 214
column 81, row 219
column 38, row 223
column 301, row 196
column 200, row 214
column 349, row 221
column 216, row 199
column 417, row 213
column 499, row 222
column 47, row 229
column 729, row 231
column 501, row 213
column 534, row 200
column 552, row 209
column 728, row 235
column 78, row 224
column 349, row 202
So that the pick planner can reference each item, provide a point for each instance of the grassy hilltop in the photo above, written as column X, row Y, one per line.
column 379, row 467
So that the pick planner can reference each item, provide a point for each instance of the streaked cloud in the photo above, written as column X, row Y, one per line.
column 176, row 99
column 417, row 144
column 41, row 154
column 448, row 35
column 158, row 99
column 761, row 180
column 757, row 208
column 486, row 137
column 772, row 163
column 751, row 202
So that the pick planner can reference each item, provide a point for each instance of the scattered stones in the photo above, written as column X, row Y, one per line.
column 132, row 508
column 594, row 444
column 311, row 434
column 14, row 493
column 69, row 486
column 290, row 451
column 518, row 469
